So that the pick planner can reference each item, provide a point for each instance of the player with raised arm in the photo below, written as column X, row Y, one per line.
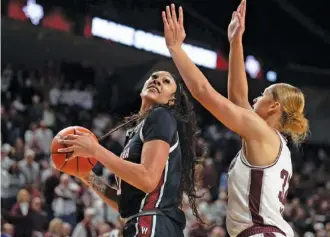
column 260, row 173
column 157, row 164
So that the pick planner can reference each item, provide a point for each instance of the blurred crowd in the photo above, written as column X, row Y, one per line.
column 39, row 201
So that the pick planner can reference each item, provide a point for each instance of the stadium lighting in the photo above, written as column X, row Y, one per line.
column 252, row 66
column 271, row 76
column 33, row 11
column 148, row 41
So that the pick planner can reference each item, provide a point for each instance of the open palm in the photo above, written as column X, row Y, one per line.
column 173, row 27
column 237, row 24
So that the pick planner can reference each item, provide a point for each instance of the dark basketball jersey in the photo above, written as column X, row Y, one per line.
column 159, row 125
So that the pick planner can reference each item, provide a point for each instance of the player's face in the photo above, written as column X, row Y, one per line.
column 159, row 88
column 264, row 105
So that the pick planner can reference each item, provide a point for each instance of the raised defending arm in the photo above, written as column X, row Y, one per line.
column 237, row 82
column 242, row 121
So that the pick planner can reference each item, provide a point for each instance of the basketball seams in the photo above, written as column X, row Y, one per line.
column 68, row 166
column 89, row 161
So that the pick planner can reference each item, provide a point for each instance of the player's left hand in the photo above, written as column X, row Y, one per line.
column 80, row 144
column 173, row 27
column 236, row 26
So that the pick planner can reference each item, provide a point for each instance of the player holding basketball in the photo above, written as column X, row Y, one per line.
column 157, row 164
column 260, row 173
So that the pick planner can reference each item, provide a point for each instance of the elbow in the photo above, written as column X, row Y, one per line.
column 149, row 186
column 149, row 183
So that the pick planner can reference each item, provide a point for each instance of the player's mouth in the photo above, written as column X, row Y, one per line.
column 154, row 88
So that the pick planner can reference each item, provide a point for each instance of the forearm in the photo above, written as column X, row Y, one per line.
column 237, row 82
column 197, row 83
column 133, row 174
column 190, row 73
column 108, row 194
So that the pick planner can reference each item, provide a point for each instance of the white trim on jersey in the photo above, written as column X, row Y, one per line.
column 172, row 148
column 163, row 186
column 154, row 220
column 246, row 162
column 140, row 133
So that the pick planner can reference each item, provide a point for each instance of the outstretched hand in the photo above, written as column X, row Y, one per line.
column 236, row 26
column 173, row 27
column 80, row 144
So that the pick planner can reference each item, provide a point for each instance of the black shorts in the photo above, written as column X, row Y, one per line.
column 152, row 226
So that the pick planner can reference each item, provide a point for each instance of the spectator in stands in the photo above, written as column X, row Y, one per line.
column 217, row 231
column 45, row 136
column 7, row 230
column 103, row 229
column 55, row 95
column 100, row 123
column 20, row 215
column 66, row 95
column 36, row 109
column 6, row 161
column 86, row 98
column 30, row 168
column 18, row 105
column 38, row 216
column 64, row 205
column 87, row 196
column 66, row 230
column 48, row 117
column 11, row 182
column 18, row 151
column 55, row 228
column 22, row 206
column 32, row 139
column 86, row 228
column 50, row 184
column 48, row 171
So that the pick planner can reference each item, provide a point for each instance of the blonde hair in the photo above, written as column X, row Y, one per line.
column 294, row 122
column 55, row 225
column 20, row 194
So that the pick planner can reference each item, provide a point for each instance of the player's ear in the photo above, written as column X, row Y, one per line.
column 172, row 100
column 274, row 107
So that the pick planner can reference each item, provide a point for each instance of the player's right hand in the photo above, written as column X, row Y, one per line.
column 236, row 26
column 173, row 27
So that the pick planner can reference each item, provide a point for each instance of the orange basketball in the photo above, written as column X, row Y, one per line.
column 73, row 166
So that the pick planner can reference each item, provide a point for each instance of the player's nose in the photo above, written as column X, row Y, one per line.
column 155, row 81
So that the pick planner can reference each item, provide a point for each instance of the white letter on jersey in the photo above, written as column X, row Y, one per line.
column 144, row 230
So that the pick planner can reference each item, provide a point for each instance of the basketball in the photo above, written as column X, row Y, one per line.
column 74, row 166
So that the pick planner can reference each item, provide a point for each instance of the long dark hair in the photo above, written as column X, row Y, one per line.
column 183, row 111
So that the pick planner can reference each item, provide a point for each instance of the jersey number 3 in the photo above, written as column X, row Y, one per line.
column 285, row 176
